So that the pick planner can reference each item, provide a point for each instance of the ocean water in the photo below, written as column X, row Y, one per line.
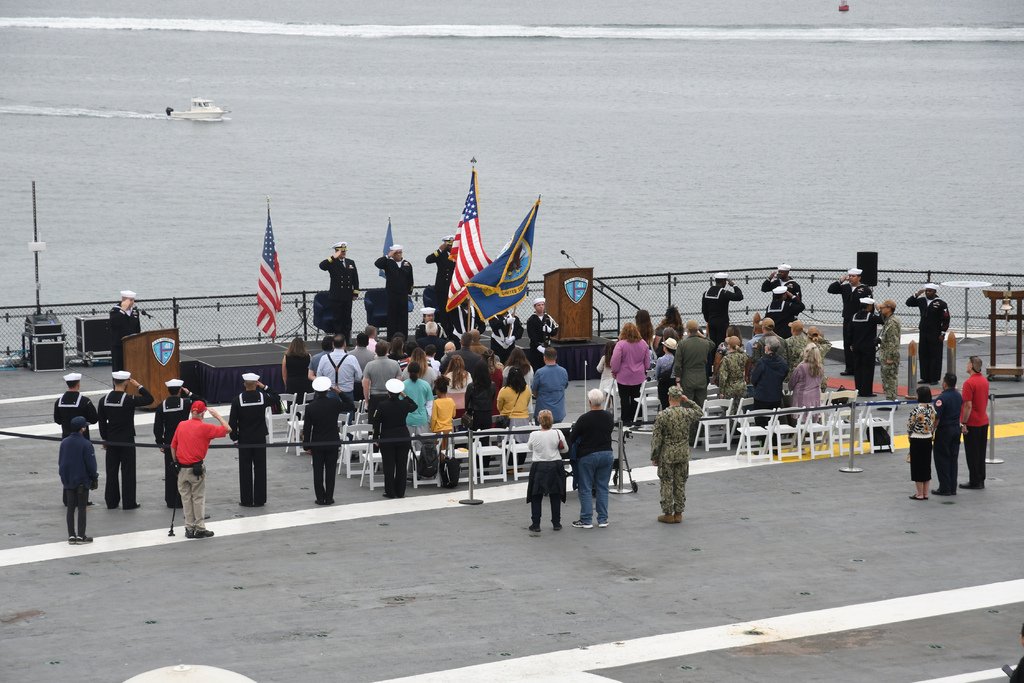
column 668, row 136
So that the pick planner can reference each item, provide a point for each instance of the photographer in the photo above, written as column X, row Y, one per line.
column 78, row 474
column 188, row 450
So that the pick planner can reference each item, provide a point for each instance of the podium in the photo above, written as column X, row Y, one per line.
column 570, row 297
column 152, row 358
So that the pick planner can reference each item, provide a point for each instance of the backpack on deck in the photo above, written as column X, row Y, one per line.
column 450, row 469
column 427, row 462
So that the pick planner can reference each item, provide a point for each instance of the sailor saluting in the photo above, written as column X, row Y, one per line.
column 540, row 327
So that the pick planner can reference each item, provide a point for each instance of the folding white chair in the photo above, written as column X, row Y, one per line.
column 821, row 436
column 355, row 453
column 749, row 431
column 295, row 422
column 495, row 452
column 782, row 431
column 282, row 417
column 513, row 449
column 720, row 428
column 648, row 404
column 879, row 417
column 372, row 463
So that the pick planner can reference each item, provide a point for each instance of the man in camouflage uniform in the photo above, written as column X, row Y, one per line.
column 670, row 451
column 889, row 349
column 794, row 346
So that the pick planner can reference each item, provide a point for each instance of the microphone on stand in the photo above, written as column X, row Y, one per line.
column 566, row 255
column 142, row 312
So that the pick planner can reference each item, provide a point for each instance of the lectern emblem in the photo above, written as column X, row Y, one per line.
column 163, row 349
column 576, row 288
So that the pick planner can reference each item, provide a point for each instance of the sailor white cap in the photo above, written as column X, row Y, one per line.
column 721, row 276
column 854, row 271
column 121, row 375
column 340, row 245
column 250, row 377
column 394, row 248
column 931, row 285
column 127, row 294
column 172, row 383
column 781, row 289
column 867, row 300
column 448, row 238
column 785, row 267
column 427, row 310
column 394, row 386
column 321, row 384
column 73, row 377
column 539, row 300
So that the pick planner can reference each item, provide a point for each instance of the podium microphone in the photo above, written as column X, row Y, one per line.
column 566, row 255
column 142, row 312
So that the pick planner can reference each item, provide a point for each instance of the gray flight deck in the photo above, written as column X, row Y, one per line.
column 385, row 594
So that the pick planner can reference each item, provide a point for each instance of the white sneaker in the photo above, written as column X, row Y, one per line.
column 602, row 525
column 580, row 525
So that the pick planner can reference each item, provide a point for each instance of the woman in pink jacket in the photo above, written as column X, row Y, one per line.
column 630, row 362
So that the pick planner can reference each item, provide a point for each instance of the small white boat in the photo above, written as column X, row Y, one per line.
column 201, row 110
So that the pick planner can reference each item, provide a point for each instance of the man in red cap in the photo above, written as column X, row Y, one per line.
column 188, row 450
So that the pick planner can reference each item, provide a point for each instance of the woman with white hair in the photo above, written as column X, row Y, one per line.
column 592, row 435
column 767, row 378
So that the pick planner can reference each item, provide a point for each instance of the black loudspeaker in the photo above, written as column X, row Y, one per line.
column 868, row 262
column 93, row 334
column 47, row 353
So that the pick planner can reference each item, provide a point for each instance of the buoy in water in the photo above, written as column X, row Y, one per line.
column 843, row 7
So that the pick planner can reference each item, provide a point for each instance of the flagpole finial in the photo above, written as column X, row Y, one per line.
column 473, row 161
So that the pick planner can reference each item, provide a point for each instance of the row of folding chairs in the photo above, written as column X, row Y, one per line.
column 821, row 431
column 498, row 446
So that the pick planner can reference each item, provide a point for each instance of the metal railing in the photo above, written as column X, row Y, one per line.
column 231, row 319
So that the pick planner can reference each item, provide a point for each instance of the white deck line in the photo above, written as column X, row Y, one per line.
column 972, row 677
column 318, row 515
column 48, row 397
column 53, row 429
column 772, row 629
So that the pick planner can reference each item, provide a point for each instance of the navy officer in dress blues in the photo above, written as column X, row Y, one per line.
column 124, row 321
column 783, row 309
column 117, row 424
column 442, row 258
column 248, row 423
column 71, row 404
column 344, row 287
column 934, row 324
column 715, row 306
column 850, row 288
column 398, row 285
column 540, row 328
column 780, row 276
column 171, row 412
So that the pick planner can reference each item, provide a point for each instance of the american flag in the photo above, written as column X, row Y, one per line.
column 268, row 291
column 468, row 250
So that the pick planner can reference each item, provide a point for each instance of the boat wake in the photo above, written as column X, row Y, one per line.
column 75, row 112
column 691, row 33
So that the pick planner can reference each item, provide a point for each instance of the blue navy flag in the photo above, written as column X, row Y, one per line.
column 502, row 285
column 388, row 241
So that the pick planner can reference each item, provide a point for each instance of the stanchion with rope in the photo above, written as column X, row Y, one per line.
column 992, row 459
column 853, row 439
column 472, row 500
column 622, row 462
